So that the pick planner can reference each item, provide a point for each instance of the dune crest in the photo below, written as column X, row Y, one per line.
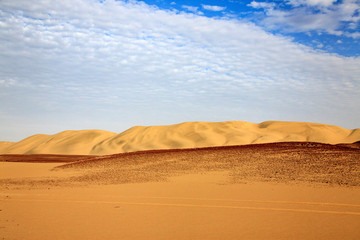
column 182, row 135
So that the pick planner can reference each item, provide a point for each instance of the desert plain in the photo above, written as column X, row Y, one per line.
column 197, row 180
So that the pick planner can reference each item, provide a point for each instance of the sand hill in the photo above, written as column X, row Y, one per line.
column 183, row 135
column 67, row 142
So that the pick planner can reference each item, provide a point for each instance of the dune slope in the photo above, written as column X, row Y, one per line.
column 183, row 135
column 67, row 142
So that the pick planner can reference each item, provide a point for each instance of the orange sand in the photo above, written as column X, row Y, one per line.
column 245, row 192
column 186, row 207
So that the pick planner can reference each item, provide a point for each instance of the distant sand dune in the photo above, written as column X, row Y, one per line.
column 67, row 142
column 183, row 135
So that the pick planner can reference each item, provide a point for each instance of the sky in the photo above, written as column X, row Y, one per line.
column 111, row 65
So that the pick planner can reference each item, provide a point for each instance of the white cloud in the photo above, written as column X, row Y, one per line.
column 190, row 8
column 324, row 3
column 313, row 15
column 11, row 82
column 128, row 63
column 213, row 8
column 258, row 5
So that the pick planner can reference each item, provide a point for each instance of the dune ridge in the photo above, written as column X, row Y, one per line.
column 182, row 135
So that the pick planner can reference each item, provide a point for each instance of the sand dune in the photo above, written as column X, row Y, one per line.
column 183, row 135
column 295, row 162
column 67, row 142
column 291, row 190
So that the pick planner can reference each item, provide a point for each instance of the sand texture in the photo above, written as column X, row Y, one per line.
column 183, row 135
column 291, row 190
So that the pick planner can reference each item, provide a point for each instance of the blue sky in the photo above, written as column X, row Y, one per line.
column 89, row 64
column 332, row 26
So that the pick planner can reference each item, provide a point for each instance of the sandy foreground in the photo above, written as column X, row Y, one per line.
column 268, row 191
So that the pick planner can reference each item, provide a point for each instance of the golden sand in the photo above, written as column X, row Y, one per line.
column 183, row 135
column 262, row 191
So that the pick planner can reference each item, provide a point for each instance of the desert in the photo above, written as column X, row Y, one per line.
column 186, row 186
column 181, row 119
